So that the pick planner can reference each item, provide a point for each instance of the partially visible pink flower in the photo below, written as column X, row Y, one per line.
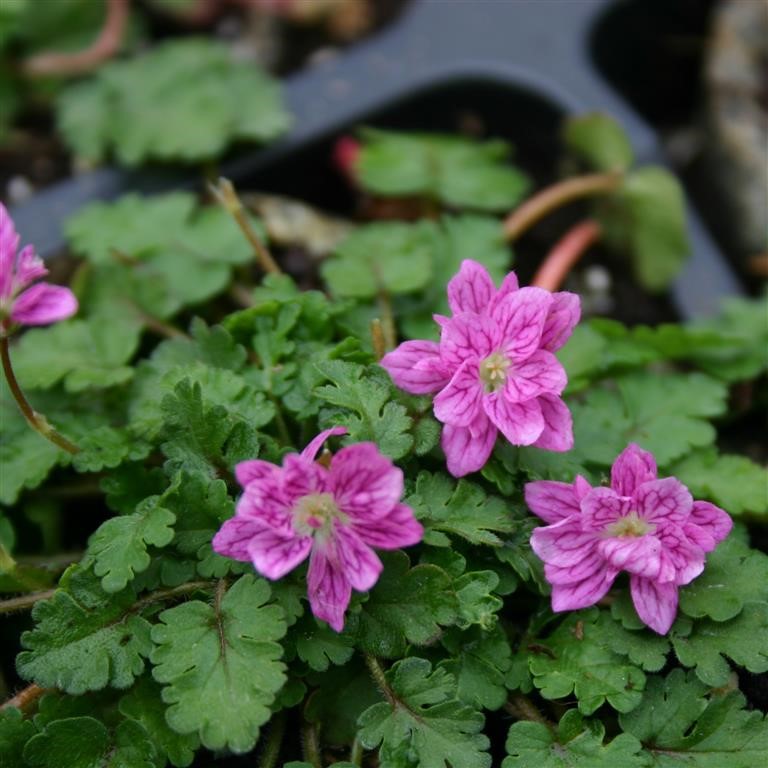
column 494, row 368
column 21, row 304
column 651, row 528
column 334, row 515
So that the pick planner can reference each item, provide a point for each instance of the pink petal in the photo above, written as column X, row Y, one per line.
column 656, row 604
column 584, row 568
column 9, row 242
column 398, row 529
column 273, row 555
column 632, row 468
column 29, row 268
column 311, row 451
column 302, row 476
column 682, row 559
column 360, row 564
column 253, row 469
column 471, row 289
column 581, row 486
column 582, row 594
column 666, row 500
column 601, row 507
column 539, row 374
column 468, row 337
column 329, row 590
column 520, row 423
column 416, row 367
column 521, row 317
column 43, row 304
column 265, row 500
column 232, row 539
column 640, row 555
column 460, row 401
column 563, row 544
column 558, row 426
column 563, row 315
column 707, row 525
column 552, row 501
column 467, row 448
column 508, row 285
column 365, row 484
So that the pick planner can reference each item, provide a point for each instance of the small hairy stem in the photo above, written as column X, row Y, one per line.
column 168, row 594
column 158, row 326
column 388, row 330
column 274, row 742
column 565, row 254
column 559, row 194
column 24, row 602
column 310, row 745
column 356, row 752
column 241, row 296
column 102, row 48
column 377, row 673
column 25, row 698
column 35, row 420
column 377, row 339
column 522, row 708
column 225, row 193
column 57, row 562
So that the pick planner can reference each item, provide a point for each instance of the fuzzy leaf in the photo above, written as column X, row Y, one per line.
column 220, row 664
column 455, row 171
column 600, row 141
column 15, row 732
column 429, row 721
column 319, row 646
column 477, row 603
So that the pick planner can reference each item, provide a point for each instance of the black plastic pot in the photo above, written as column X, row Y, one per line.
column 520, row 65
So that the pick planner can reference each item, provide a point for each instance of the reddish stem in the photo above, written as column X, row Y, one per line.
column 104, row 47
column 565, row 254
column 25, row 698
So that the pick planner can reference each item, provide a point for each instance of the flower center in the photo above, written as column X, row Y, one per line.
column 315, row 512
column 493, row 371
column 630, row 526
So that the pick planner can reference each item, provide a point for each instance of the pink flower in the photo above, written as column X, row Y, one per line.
column 21, row 304
column 494, row 368
column 651, row 528
column 334, row 515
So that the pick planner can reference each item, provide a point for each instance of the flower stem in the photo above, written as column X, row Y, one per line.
column 356, row 752
column 271, row 751
column 377, row 339
column 522, row 708
column 310, row 745
column 35, row 420
column 225, row 193
column 25, row 698
column 24, row 602
column 565, row 254
column 559, row 194
column 377, row 673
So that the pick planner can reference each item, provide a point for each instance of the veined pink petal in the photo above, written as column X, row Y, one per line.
column 233, row 537
column 265, row 500
column 416, row 367
column 29, row 268
column 601, row 507
column 640, row 555
column 273, row 555
column 552, row 501
column 581, row 486
column 365, row 484
column 707, row 525
column 312, row 449
column 467, row 448
column 468, row 337
column 302, row 476
column 684, row 558
column 582, row 594
column 587, row 566
column 539, row 374
column 9, row 243
column 508, row 285
column 632, row 468
column 329, row 590
column 520, row 423
column 663, row 501
column 656, row 604
column 564, row 313
column 361, row 565
column 398, row 529
column 520, row 318
column 558, row 425
column 253, row 469
column 460, row 401
column 470, row 289
column 563, row 544
column 43, row 304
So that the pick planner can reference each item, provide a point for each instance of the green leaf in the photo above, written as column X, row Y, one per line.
column 384, row 256
column 457, row 172
column 220, row 664
column 407, row 605
column 84, row 638
column 645, row 649
column 735, row 483
column 428, row 721
column 363, row 399
column 87, row 743
column 600, row 141
column 230, row 101
column 460, row 509
column 15, row 732
column 144, row 704
column 681, row 727
column 319, row 646
column 577, row 743
column 574, row 660
column 477, row 603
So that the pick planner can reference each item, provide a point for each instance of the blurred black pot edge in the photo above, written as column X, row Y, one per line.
column 527, row 61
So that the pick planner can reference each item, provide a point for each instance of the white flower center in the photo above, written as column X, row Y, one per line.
column 315, row 513
column 494, row 370
column 630, row 526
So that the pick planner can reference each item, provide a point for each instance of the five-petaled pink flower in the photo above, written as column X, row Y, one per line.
column 21, row 304
column 494, row 368
column 335, row 515
column 651, row 528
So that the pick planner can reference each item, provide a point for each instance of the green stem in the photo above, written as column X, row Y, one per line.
column 310, row 745
column 24, row 602
column 35, row 420
column 168, row 594
column 356, row 752
column 379, row 677
column 271, row 751
column 522, row 708
column 377, row 339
